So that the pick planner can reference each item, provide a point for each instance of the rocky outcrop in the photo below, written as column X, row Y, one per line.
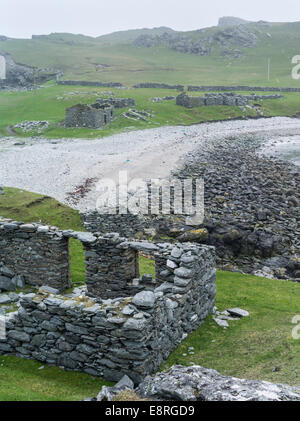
column 237, row 36
column 204, row 42
column 21, row 75
column 177, row 42
column 196, row 383
column 252, row 204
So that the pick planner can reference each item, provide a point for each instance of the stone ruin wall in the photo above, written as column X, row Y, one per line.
column 88, row 83
column 128, row 225
column 229, row 99
column 36, row 252
column 116, row 102
column 153, row 85
column 122, row 325
column 92, row 116
column 192, row 88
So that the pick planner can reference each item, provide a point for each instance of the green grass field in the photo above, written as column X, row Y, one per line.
column 25, row 380
column 50, row 102
column 257, row 347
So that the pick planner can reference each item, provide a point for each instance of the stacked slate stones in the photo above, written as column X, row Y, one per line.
column 240, row 88
column 9, row 281
column 110, row 337
column 226, row 98
column 116, row 102
column 38, row 253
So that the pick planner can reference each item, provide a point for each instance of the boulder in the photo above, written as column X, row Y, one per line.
column 197, row 383
column 144, row 299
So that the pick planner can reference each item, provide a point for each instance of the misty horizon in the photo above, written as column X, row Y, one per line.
column 138, row 29
column 95, row 18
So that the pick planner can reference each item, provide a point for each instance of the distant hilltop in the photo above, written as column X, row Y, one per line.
column 232, row 21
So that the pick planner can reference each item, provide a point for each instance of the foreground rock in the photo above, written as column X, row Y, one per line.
column 203, row 384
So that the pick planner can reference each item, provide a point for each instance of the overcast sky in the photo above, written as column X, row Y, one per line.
column 22, row 18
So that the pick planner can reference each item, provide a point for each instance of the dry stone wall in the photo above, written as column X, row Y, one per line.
column 116, row 102
column 132, row 333
column 229, row 99
column 88, row 83
column 126, row 225
column 240, row 88
column 152, row 85
column 39, row 253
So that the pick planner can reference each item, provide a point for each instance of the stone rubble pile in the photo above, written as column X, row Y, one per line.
column 231, row 314
column 133, row 114
column 29, row 126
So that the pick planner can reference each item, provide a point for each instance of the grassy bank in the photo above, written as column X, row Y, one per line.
column 50, row 102
column 257, row 347
column 25, row 380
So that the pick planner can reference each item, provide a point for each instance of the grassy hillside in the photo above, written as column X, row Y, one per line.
column 113, row 57
column 50, row 102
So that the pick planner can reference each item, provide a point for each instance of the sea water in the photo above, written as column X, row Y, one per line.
column 285, row 147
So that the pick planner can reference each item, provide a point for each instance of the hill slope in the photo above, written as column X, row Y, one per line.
column 231, row 54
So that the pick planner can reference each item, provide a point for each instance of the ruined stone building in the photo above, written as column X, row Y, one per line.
column 92, row 116
column 121, row 322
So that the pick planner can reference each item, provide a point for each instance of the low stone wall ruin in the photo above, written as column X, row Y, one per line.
column 38, row 253
column 240, row 88
column 88, row 83
column 116, row 102
column 92, row 116
column 128, row 225
column 124, row 323
column 153, row 85
column 229, row 99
